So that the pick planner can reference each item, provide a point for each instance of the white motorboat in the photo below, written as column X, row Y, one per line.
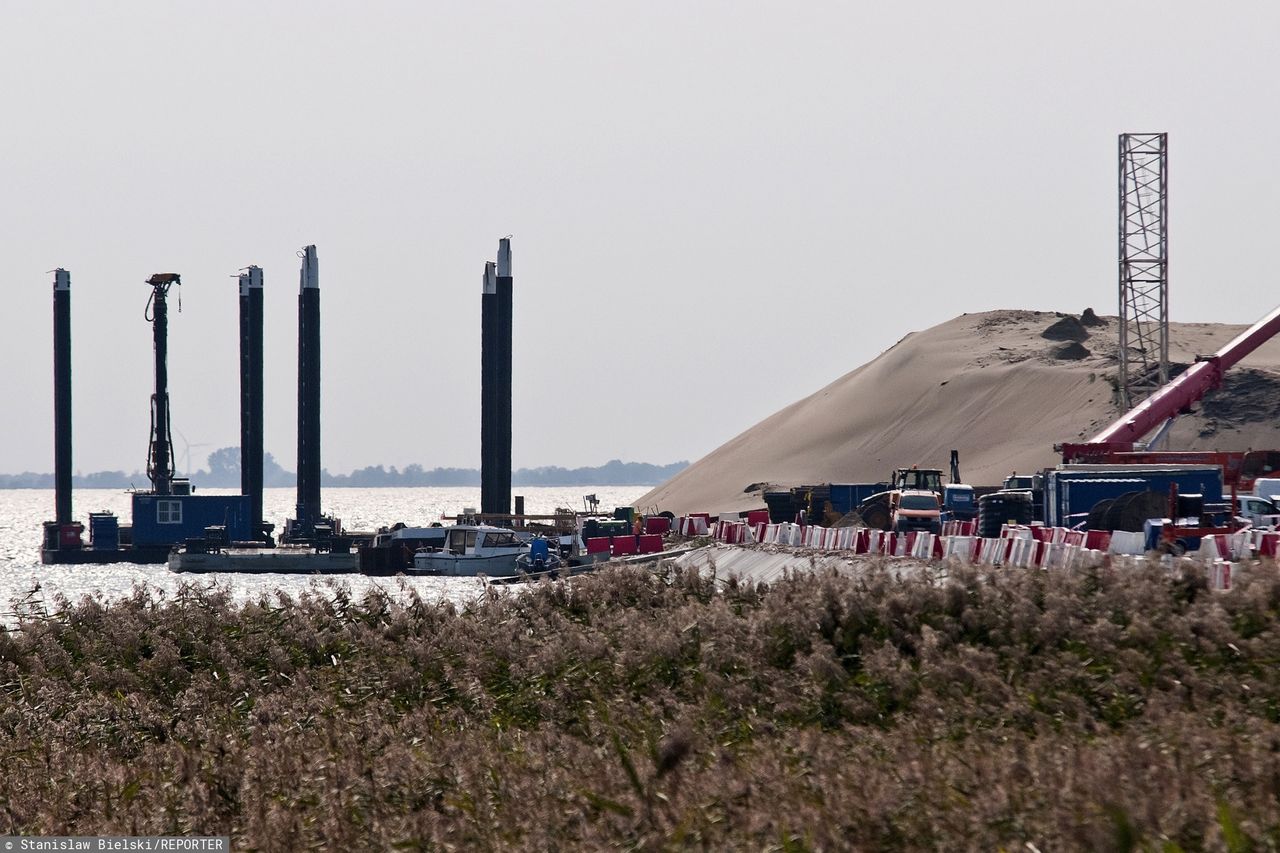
column 470, row 550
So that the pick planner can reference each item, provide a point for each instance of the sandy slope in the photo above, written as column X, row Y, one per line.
column 985, row 384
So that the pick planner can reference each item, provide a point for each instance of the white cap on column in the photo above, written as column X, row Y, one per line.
column 504, row 258
column 61, row 279
column 490, row 282
column 310, row 268
column 251, row 277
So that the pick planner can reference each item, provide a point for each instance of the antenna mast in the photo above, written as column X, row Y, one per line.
column 1144, row 265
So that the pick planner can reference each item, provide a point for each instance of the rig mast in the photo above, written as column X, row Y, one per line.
column 1144, row 265
column 160, row 468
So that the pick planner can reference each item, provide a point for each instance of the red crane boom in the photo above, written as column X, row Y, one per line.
column 1116, row 443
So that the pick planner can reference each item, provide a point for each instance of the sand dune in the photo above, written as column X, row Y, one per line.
column 988, row 385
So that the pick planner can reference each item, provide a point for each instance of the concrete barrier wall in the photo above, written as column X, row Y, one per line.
column 1017, row 546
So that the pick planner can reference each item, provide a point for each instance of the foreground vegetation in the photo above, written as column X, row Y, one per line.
column 1096, row 710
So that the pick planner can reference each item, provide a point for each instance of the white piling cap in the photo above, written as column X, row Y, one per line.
column 504, row 257
column 251, row 277
column 310, row 268
column 61, row 279
column 490, row 281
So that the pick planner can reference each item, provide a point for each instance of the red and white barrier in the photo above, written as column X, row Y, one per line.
column 959, row 528
column 922, row 547
column 1220, row 574
column 1224, row 546
column 1018, row 546
column 872, row 541
column 693, row 525
column 1022, row 552
column 960, row 547
column 1127, row 542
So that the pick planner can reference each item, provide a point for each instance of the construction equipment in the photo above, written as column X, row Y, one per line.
column 915, row 510
column 876, row 511
column 1122, row 442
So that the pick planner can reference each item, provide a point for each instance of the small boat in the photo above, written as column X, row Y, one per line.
column 539, row 559
column 392, row 551
column 469, row 550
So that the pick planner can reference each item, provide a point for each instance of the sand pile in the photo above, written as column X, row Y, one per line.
column 990, row 385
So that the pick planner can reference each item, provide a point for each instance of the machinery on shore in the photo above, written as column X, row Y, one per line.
column 877, row 510
column 1125, row 441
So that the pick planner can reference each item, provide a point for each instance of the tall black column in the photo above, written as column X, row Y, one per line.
column 308, row 509
column 245, row 382
column 502, row 391
column 488, row 410
column 160, row 457
column 62, row 395
column 251, row 450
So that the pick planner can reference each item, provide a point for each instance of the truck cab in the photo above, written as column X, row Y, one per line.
column 918, row 479
column 915, row 509
column 1259, row 512
column 1023, row 483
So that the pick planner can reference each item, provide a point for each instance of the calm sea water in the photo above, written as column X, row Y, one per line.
column 22, row 576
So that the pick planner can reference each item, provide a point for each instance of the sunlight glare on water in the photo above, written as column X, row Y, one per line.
column 23, row 577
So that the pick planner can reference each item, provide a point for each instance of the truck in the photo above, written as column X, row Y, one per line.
column 1267, row 488
column 959, row 502
column 915, row 509
column 1259, row 512
column 875, row 511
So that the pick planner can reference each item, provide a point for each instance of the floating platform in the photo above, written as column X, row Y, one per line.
column 266, row 561
column 102, row 556
column 590, row 563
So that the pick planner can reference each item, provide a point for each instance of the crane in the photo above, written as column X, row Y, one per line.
column 1121, row 441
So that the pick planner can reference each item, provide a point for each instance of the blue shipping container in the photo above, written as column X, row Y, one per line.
column 169, row 519
column 104, row 531
column 1070, row 493
column 845, row 497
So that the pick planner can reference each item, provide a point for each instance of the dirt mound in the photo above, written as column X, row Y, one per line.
column 1066, row 329
column 1073, row 351
column 1247, row 396
column 982, row 384
column 1088, row 318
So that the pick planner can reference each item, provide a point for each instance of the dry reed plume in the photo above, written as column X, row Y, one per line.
column 1088, row 711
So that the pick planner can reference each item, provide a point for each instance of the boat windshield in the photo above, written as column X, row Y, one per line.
column 462, row 541
column 499, row 540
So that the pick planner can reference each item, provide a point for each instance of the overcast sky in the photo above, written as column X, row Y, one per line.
column 716, row 208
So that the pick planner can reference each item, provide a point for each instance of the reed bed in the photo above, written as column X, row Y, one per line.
column 1016, row 710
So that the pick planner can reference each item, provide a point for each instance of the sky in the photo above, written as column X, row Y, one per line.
column 716, row 208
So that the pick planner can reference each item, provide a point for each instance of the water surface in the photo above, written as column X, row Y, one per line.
column 23, row 577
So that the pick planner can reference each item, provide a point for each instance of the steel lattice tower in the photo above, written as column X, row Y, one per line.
column 1144, row 265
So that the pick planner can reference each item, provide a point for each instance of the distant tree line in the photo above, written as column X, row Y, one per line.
column 224, row 472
